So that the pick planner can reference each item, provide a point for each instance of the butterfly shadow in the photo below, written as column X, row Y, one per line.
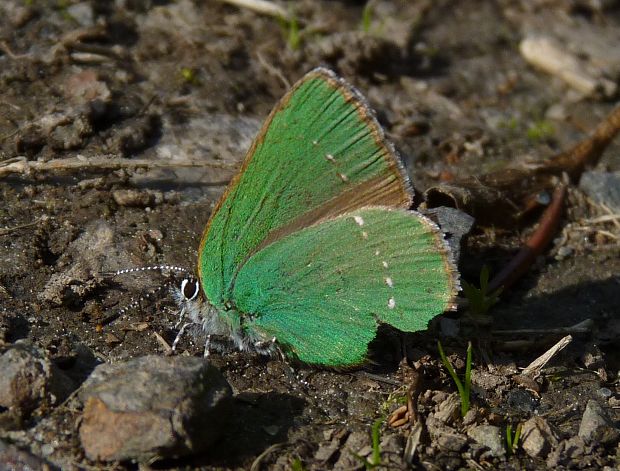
column 259, row 420
column 586, row 310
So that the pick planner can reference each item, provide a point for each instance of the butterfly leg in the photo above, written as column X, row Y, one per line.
column 264, row 346
column 181, row 317
column 179, row 335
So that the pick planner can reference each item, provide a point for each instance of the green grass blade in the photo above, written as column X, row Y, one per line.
column 376, row 441
column 467, row 387
column 509, row 438
column 450, row 369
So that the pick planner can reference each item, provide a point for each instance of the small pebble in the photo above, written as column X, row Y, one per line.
column 537, row 437
column 490, row 436
column 564, row 252
column 596, row 426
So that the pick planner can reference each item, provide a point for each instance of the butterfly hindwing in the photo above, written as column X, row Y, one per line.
column 322, row 291
column 319, row 154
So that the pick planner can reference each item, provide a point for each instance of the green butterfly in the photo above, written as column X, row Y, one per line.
column 311, row 247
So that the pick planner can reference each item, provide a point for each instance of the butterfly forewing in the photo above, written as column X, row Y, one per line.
column 320, row 154
column 322, row 291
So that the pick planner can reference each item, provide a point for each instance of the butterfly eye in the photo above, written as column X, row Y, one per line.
column 190, row 288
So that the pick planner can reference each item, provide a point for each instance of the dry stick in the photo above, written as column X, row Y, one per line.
column 582, row 327
column 9, row 230
column 534, row 368
column 20, row 165
column 413, row 441
column 544, row 233
column 163, row 342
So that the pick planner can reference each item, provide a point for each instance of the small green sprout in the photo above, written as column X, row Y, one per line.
column 290, row 27
column 511, row 124
column 189, row 75
column 63, row 7
column 375, row 457
column 480, row 300
column 464, row 387
column 367, row 17
column 512, row 440
column 398, row 397
column 297, row 465
column 541, row 130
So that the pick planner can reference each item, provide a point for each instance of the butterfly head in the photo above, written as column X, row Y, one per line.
column 191, row 300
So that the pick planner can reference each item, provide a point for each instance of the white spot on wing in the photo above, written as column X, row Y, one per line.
column 391, row 303
column 385, row 264
column 330, row 158
column 377, row 253
column 343, row 177
column 389, row 282
column 365, row 234
column 359, row 220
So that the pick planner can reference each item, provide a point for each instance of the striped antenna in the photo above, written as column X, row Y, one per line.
column 152, row 267
column 136, row 303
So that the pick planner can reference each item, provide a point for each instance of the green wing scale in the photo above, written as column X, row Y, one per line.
column 312, row 243
column 322, row 291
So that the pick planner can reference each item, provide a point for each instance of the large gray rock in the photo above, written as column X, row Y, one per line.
column 152, row 407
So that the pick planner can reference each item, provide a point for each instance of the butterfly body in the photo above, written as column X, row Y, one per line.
column 312, row 246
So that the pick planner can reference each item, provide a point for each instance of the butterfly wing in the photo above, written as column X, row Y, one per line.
column 322, row 291
column 320, row 153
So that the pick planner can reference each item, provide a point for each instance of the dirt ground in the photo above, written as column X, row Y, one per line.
column 156, row 81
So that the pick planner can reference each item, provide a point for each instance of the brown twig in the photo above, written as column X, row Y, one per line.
column 587, row 152
column 544, row 233
column 20, row 165
column 504, row 197
column 9, row 230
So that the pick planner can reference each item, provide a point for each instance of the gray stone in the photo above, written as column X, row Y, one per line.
column 602, row 187
column 30, row 379
column 451, row 441
column 355, row 443
column 471, row 417
column 537, row 437
column 596, row 426
column 489, row 436
column 326, row 451
column 455, row 223
column 152, row 407
column 82, row 13
column 449, row 410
